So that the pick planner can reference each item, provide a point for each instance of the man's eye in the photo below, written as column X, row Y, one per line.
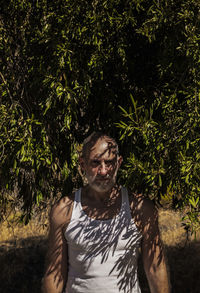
column 95, row 162
column 109, row 162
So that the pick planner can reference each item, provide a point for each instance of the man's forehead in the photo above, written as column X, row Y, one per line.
column 102, row 148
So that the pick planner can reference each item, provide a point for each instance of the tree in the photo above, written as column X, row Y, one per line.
column 164, row 132
column 67, row 66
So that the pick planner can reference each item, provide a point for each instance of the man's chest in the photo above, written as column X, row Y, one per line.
column 102, row 211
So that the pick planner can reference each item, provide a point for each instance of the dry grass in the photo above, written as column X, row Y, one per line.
column 13, row 230
column 171, row 229
column 23, row 249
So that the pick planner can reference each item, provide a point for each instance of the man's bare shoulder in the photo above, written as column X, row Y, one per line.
column 141, row 202
column 142, row 208
column 61, row 211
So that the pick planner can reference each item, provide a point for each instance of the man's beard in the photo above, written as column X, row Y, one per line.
column 101, row 184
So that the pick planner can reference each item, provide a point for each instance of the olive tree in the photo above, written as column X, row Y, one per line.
column 129, row 68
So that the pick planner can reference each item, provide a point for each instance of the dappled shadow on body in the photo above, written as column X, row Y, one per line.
column 106, row 240
column 101, row 244
column 107, row 249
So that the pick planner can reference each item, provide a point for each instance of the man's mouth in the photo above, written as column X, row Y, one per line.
column 103, row 179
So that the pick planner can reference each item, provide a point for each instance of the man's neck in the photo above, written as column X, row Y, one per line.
column 101, row 196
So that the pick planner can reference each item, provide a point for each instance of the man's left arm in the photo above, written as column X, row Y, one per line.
column 152, row 250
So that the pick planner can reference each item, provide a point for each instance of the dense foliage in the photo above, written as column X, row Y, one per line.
column 130, row 68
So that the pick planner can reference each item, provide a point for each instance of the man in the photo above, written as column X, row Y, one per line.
column 95, row 234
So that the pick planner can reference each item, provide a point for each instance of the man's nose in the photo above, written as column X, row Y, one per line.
column 103, row 169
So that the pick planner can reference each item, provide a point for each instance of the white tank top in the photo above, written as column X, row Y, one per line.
column 102, row 253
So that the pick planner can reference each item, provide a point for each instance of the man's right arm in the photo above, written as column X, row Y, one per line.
column 55, row 276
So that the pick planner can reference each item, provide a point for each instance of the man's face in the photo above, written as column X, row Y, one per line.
column 101, row 165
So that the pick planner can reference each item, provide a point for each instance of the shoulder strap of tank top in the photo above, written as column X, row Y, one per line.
column 125, row 201
column 78, row 196
column 76, row 206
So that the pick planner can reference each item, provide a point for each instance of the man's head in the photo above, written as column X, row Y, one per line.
column 100, row 161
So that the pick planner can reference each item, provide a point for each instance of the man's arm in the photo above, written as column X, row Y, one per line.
column 152, row 250
column 56, row 264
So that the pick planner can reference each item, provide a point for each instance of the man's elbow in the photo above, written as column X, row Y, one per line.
column 158, row 278
column 50, row 284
